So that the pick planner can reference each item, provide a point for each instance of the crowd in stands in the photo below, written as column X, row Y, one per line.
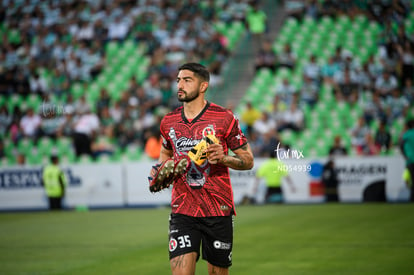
column 382, row 86
column 47, row 46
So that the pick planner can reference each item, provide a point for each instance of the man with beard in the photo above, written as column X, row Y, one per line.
column 201, row 133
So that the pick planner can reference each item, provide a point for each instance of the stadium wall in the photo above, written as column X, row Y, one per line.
column 110, row 185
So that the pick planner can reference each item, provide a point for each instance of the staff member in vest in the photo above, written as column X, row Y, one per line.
column 273, row 171
column 54, row 182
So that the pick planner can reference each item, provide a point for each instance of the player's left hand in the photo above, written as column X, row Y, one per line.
column 215, row 153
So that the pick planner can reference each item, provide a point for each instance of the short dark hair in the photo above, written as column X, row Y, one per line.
column 409, row 123
column 198, row 70
column 54, row 158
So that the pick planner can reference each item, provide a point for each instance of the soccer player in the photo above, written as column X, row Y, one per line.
column 202, row 205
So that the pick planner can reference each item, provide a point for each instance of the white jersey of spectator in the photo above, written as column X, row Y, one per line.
column 30, row 123
column 118, row 29
column 264, row 125
column 385, row 83
column 359, row 132
column 87, row 124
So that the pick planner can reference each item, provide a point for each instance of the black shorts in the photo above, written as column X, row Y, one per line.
column 215, row 234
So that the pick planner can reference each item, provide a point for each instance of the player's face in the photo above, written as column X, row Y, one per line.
column 188, row 86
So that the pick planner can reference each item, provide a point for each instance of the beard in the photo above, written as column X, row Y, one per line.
column 188, row 97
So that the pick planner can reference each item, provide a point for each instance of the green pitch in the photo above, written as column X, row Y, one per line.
column 274, row 239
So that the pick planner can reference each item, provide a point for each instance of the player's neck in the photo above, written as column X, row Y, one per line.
column 193, row 108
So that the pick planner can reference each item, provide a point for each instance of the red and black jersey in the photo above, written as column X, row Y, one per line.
column 205, row 190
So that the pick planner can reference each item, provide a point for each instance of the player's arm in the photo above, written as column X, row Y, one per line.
column 165, row 154
column 242, row 160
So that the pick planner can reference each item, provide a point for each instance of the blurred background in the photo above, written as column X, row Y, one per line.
column 90, row 80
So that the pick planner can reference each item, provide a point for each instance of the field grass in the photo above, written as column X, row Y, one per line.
column 272, row 239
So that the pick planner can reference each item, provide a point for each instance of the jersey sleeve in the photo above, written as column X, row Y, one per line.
column 164, row 134
column 235, row 137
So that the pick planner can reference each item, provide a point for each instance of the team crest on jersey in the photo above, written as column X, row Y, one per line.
column 209, row 130
column 172, row 245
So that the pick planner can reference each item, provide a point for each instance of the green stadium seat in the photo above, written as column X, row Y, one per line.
column 46, row 146
column 111, row 49
column 85, row 159
column 77, row 90
column 134, row 154
column 25, row 145
column 9, row 148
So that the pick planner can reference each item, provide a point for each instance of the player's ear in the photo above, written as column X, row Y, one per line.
column 204, row 86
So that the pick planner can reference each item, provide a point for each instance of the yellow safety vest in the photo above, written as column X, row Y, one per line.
column 52, row 176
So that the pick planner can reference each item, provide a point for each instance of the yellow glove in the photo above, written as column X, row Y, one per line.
column 197, row 153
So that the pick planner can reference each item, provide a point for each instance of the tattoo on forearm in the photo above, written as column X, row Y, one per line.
column 235, row 161
column 240, row 163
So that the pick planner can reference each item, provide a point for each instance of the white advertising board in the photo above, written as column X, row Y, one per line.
column 126, row 184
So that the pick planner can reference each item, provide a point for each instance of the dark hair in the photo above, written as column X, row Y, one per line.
column 54, row 158
column 410, row 124
column 198, row 70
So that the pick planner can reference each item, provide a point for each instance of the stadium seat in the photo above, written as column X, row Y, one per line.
column 25, row 145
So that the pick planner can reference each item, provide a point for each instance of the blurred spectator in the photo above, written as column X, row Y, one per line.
column 5, row 120
column 346, row 85
column 264, row 124
column 116, row 111
column 365, row 79
column 270, row 142
column 397, row 105
column 266, row 58
column 375, row 67
column 374, row 108
column 249, row 116
column 292, row 118
column 238, row 9
column 285, row 90
column 408, row 90
column 337, row 149
column 277, row 108
column 2, row 151
column 368, row 146
column 38, row 84
column 309, row 92
column 106, row 122
column 118, row 29
column 102, row 145
column 124, row 130
column 286, row 58
column 385, row 83
column 329, row 69
column 103, row 101
column 81, row 105
column 30, row 124
column 66, row 129
column 383, row 137
column 312, row 69
column 256, row 20
column 256, row 143
column 84, row 130
column 359, row 134
column 52, row 121
column 330, row 181
column 153, row 145
column 406, row 53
